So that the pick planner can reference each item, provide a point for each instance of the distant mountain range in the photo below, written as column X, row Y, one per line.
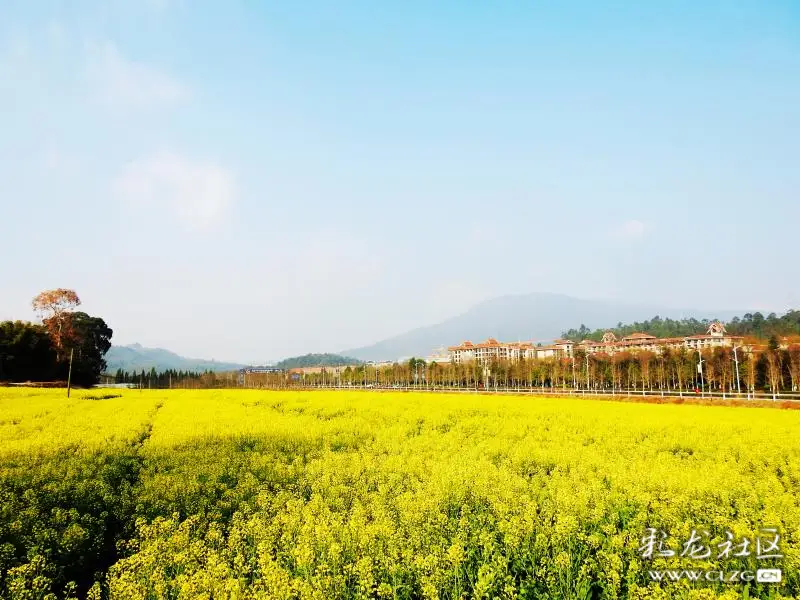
column 135, row 357
column 538, row 316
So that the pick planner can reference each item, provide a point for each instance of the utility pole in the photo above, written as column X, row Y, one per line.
column 700, row 370
column 736, row 360
column 69, row 373
column 587, row 371
column 574, row 382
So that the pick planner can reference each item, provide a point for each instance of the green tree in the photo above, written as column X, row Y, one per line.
column 89, row 338
column 26, row 352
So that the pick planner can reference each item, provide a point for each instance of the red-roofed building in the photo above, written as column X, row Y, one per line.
column 491, row 349
column 715, row 337
column 463, row 353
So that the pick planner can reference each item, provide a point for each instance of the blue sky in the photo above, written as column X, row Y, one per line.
column 247, row 181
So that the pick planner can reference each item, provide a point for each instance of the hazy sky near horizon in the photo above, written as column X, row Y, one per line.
column 247, row 181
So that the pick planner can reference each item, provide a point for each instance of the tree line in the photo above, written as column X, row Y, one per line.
column 43, row 352
column 772, row 368
column 754, row 325
column 169, row 378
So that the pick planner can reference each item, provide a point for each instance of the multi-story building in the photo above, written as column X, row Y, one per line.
column 491, row 349
column 465, row 352
column 438, row 356
column 715, row 337
column 381, row 364
column 338, row 370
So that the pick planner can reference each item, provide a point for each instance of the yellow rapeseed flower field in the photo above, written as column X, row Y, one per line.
column 246, row 494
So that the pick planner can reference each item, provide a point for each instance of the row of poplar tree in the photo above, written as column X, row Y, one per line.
column 169, row 378
column 773, row 367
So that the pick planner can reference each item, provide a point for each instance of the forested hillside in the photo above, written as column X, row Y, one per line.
column 317, row 360
column 751, row 324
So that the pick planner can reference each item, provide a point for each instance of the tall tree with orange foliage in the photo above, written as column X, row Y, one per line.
column 53, row 307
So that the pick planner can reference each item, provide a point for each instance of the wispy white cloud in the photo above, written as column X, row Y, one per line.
column 199, row 193
column 631, row 229
column 124, row 84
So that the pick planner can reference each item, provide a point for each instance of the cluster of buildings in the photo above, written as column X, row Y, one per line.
column 491, row 349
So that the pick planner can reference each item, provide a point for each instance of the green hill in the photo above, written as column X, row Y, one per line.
column 317, row 360
column 751, row 324
column 135, row 357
